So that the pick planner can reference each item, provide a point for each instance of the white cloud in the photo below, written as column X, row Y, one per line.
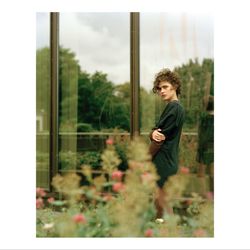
column 101, row 41
column 171, row 39
column 42, row 29
column 96, row 44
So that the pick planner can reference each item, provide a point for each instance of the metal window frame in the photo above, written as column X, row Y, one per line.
column 54, row 74
column 134, row 74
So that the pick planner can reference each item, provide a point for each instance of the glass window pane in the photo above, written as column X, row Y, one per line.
column 42, row 99
column 94, row 83
column 181, row 42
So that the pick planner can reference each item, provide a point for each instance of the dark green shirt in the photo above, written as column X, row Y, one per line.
column 170, row 122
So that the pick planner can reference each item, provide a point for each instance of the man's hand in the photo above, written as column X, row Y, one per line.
column 157, row 136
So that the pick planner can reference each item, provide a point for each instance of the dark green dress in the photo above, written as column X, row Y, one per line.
column 166, row 159
column 205, row 152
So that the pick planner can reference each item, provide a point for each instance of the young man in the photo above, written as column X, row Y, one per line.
column 167, row 132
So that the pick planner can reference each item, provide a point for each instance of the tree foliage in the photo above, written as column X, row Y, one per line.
column 98, row 104
column 195, row 79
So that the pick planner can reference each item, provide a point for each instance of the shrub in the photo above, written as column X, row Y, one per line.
column 84, row 127
column 68, row 160
column 92, row 158
column 121, row 205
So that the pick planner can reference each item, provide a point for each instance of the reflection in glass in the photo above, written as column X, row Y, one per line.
column 93, row 83
column 42, row 99
column 182, row 42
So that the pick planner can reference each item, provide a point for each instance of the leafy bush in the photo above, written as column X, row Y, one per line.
column 68, row 160
column 92, row 158
column 84, row 127
column 121, row 205
column 188, row 151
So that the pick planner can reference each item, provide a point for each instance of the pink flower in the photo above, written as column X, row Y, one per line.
column 79, row 218
column 109, row 141
column 199, row 233
column 149, row 232
column 184, row 170
column 117, row 175
column 117, row 187
column 40, row 192
column 39, row 203
column 51, row 200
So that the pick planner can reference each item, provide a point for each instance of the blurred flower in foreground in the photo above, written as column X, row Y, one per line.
column 51, row 200
column 40, row 192
column 149, row 232
column 79, row 218
column 109, row 141
column 48, row 226
column 117, row 175
column 39, row 203
column 117, row 187
column 184, row 170
column 159, row 220
column 199, row 233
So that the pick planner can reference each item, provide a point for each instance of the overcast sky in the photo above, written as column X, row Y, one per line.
column 101, row 41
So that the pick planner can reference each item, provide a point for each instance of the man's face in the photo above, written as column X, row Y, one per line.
column 167, row 91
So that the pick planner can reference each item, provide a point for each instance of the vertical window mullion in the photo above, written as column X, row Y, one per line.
column 54, row 48
column 134, row 73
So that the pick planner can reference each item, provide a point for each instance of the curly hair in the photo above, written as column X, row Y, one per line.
column 169, row 76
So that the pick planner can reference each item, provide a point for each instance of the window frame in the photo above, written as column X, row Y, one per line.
column 54, row 105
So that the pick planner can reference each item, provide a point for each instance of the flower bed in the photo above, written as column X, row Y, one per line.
column 121, row 203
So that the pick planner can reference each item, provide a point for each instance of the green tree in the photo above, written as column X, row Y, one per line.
column 69, row 70
column 43, row 84
column 147, row 110
column 101, row 103
column 195, row 78
column 95, row 102
column 122, row 108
